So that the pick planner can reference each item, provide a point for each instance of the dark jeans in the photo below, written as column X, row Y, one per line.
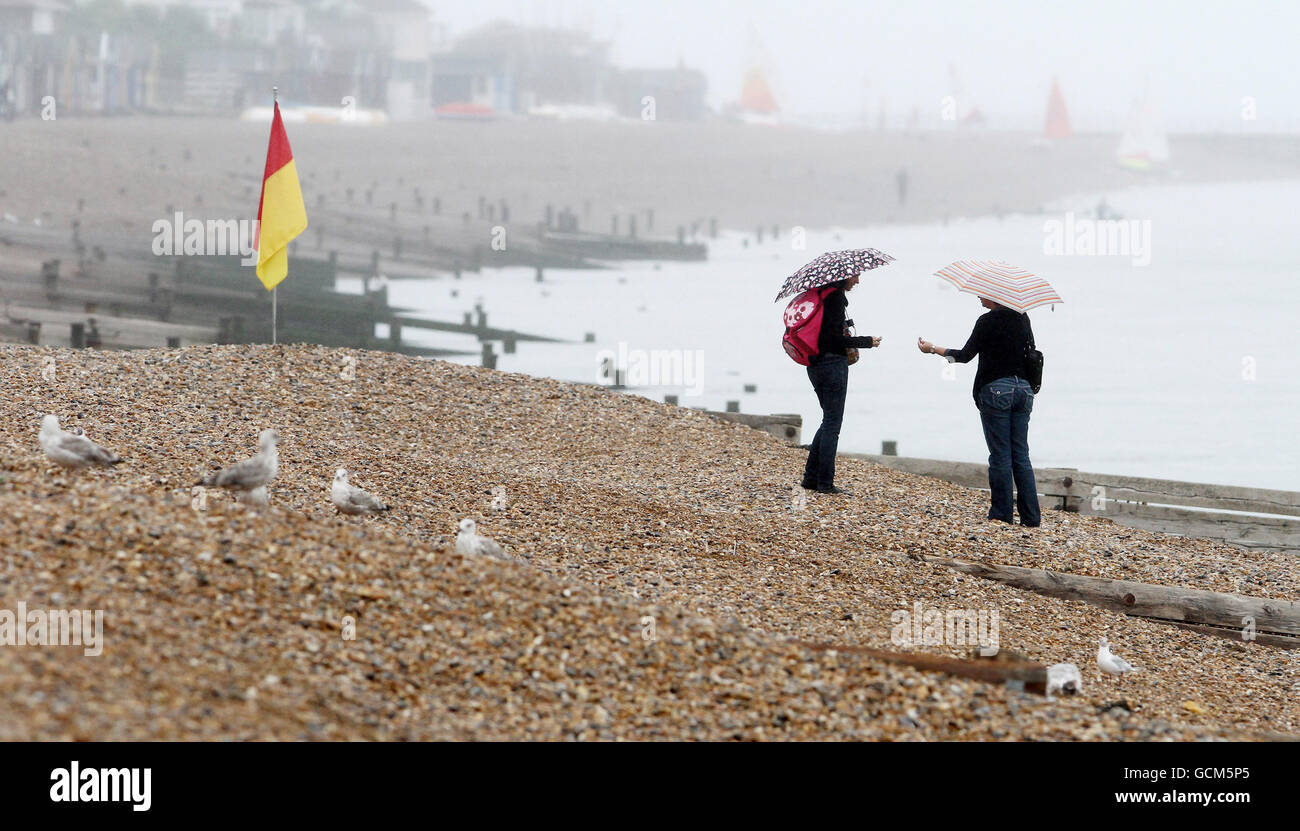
column 830, row 379
column 1005, row 405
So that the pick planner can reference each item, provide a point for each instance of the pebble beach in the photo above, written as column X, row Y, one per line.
column 671, row 581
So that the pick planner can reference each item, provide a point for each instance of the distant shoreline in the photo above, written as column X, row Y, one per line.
column 130, row 171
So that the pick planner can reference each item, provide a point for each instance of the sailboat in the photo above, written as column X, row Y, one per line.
column 1144, row 145
column 757, row 105
column 1058, row 118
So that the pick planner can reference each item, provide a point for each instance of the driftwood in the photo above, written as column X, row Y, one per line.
column 1275, row 622
column 1032, row 676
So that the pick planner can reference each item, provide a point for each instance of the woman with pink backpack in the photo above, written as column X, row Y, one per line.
column 828, row 371
column 816, row 336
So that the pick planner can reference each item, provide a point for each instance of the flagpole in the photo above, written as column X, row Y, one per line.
column 275, row 99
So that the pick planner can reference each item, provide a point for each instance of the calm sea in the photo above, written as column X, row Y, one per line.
column 1187, row 367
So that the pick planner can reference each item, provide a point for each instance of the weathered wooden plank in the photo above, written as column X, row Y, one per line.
column 1242, row 529
column 1167, row 603
column 1032, row 675
column 1173, row 514
column 785, row 426
column 966, row 474
column 1064, row 482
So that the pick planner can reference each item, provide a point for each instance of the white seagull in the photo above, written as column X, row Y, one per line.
column 352, row 500
column 468, row 541
column 252, row 473
column 1110, row 663
column 72, row 450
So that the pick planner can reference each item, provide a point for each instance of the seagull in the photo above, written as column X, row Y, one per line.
column 468, row 541
column 252, row 473
column 1112, row 664
column 72, row 450
column 351, row 500
column 1064, row 678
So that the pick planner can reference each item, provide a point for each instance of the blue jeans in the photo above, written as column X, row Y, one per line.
column 1005, row 405
column 830, row 379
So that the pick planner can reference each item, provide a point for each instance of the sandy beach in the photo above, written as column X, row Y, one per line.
column 668, row 572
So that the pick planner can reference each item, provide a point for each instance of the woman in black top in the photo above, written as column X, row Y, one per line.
column 1005, row 400
column 829, row 373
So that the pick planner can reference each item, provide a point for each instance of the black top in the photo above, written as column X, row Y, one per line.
column 832, row 340
column 999, row 338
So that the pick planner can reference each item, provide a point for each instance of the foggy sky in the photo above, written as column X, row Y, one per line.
column 841, row 57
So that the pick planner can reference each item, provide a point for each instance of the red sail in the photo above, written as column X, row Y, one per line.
column 756, row 96
column 1058, row 120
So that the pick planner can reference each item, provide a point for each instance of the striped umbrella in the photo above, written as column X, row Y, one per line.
column 832, row 267
column 1000, row 282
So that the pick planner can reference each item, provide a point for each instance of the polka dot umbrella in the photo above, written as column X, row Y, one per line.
column 832, row 267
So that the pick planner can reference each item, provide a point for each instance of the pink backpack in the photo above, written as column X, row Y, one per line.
column 803, row 324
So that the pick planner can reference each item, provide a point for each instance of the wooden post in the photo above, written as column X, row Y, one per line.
column 489, row 357
column 508, row 343
column 733, row 406
column 889, row 448
column 670, row 399
column 78, row 335
column 713, row 227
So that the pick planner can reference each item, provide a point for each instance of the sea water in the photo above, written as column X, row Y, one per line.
column 1186, row 367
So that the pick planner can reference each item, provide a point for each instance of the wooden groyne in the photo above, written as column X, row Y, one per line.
column 1246, row 517
column 86, row 286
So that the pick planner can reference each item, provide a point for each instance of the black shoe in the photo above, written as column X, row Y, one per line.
column 808, row 486
column 831, row 489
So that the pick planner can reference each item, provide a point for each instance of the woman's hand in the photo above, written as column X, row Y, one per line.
column 924, row 345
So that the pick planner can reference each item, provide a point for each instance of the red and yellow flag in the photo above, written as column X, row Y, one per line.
column 281, row 214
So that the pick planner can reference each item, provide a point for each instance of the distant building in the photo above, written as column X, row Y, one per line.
column 512, row 68
column 220, row 15
column 405, row 33
column 30, row 58
column 507, row 69
column 31, row 17
column 272, row 22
